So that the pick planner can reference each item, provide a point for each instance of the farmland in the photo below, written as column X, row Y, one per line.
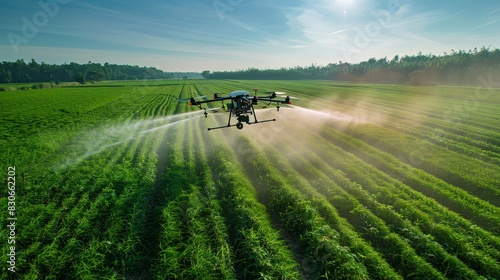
column 119, row 180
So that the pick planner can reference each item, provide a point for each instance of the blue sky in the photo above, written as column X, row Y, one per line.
column 213, row 35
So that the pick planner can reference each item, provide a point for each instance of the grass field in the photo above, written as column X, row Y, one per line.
column 353, row 181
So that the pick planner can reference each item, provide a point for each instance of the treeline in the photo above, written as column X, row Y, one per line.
column 33, row 72
column 462, row 67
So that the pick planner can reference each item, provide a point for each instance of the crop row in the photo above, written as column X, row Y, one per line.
column 458, row 200
column 424, row 109
column 485, row 265
column 87, row 219
column 150, row 195
column 212, row 225
column 479, row 256
column 90, row 216
column 329, row 247
column 193, row 241
column 389, row 245
column 441, row 129
column 455, row 234
column 480, row 180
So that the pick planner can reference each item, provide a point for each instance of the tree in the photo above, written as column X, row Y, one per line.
column 20, row 72
column 206, row 74
column 80, row 78
column 94, row 76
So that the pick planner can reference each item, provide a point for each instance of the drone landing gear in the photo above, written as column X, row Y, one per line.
column 240, row 125
column 242, row 118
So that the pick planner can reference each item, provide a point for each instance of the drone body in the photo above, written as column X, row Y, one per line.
column 241, row 106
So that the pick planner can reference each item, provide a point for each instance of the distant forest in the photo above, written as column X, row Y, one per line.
column 33, row 72
column 457, row 67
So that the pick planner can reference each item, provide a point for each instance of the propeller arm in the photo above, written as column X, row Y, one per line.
column 269, row 100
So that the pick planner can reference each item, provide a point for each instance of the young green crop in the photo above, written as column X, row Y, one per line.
column 382, row 181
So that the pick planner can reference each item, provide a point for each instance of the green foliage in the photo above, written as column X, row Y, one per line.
column 390, row 182
column 22, row 72
column 259, row 252
column 462, row 67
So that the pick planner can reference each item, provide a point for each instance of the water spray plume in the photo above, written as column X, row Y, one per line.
column 100, row 139
column 167, row 125
column 329, row 115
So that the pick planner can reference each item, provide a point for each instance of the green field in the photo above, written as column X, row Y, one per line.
column 353, row 181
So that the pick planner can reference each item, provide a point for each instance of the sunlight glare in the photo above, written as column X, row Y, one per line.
column 345, row 6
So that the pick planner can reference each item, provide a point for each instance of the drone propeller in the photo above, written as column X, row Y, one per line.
column 183, row 99
column 283, row 93
column 204, row 97
column 215, row 110
column 216, row 95
column 274, row 94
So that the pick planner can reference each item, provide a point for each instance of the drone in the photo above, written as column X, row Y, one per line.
column 241, row 106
